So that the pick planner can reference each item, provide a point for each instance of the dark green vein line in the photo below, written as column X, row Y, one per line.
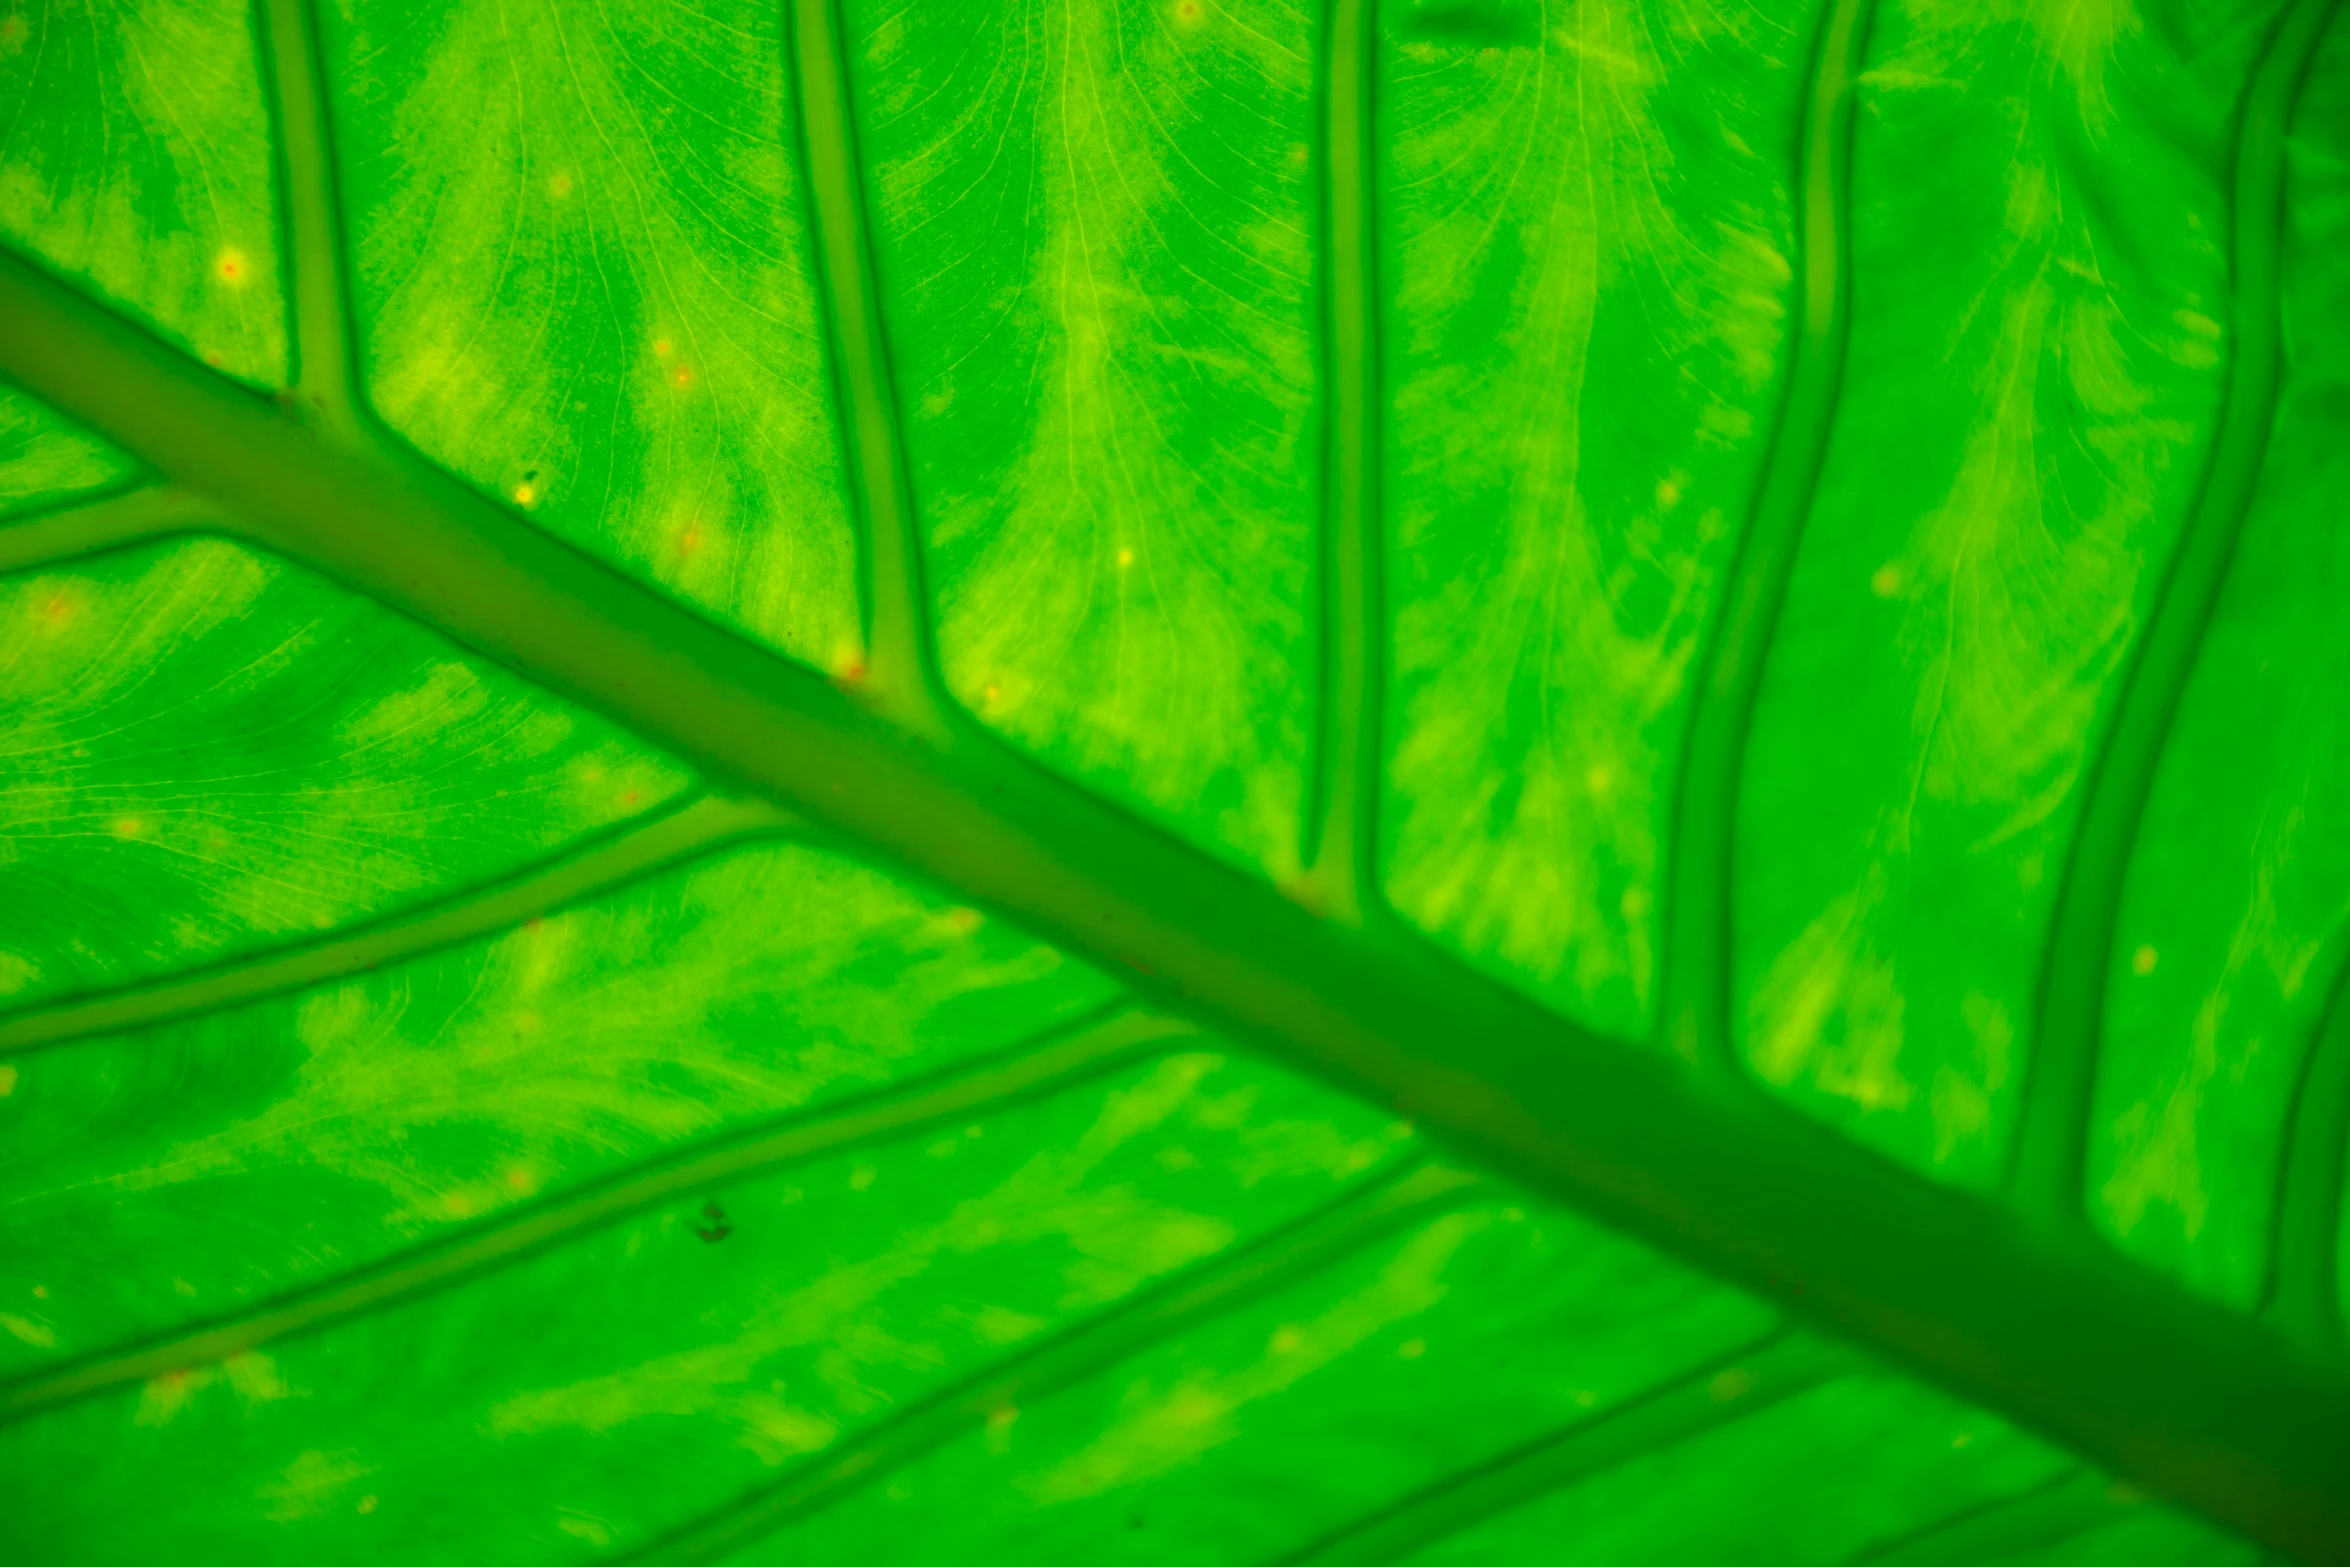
column 1030, row 1072
column 2182, row 1397
column 1705, row 1399
column 1342, row 856
column 134, row 517
column 2051, row 1141
column 2065, row 1506
column 326, row 384
column 2304, row 1285
column 900, row 678
column 636, row 851
column 1378, row 1207
column 1697, row 1024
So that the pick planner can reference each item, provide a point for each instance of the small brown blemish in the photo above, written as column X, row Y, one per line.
column 1734, row 1383
column 1886, row 581
column 232, row 267
column 2142, row 961
column 560, row 186
column 7, row 1087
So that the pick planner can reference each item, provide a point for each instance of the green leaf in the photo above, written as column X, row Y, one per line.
column 1174, row 780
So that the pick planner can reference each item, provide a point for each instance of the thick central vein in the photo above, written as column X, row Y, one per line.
column 2128, row 1368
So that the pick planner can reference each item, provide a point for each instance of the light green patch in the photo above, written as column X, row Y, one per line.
column 208, row 752
column 1587, row 252
column 249, row 1380
column 584, row 285
column 135, row 158
column 45, row 458
column 2234, row 919
column 312, row 1483
column 1103, row 317
column 453, row 1087
column 27, row 1331
column 2022, row 423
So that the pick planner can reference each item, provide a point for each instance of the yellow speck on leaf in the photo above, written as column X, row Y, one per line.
column 232, row 267
column 1411, row 1349
column 7, row 1081
column 2142, row 962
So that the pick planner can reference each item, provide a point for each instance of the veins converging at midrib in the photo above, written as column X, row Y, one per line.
column 348, row 573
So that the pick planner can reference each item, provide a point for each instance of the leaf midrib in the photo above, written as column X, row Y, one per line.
column 2054, row 1331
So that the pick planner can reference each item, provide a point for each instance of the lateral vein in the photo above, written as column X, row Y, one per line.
column 638, row 850
column 1031, row 1070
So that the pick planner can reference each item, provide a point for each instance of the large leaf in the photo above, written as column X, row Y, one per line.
column 1191, row 780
